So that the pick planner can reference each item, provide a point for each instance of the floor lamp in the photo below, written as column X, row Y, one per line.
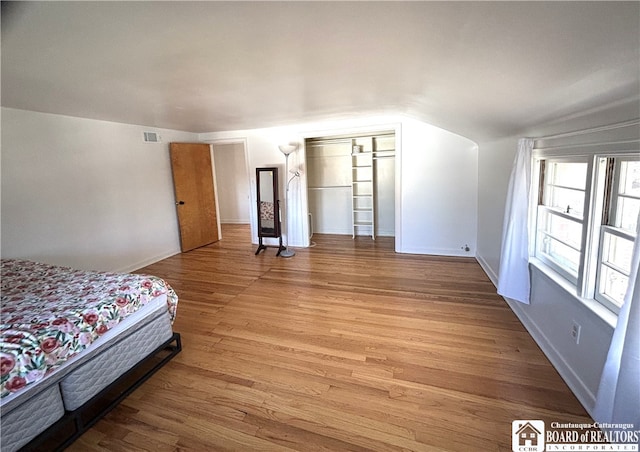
column 287, row 149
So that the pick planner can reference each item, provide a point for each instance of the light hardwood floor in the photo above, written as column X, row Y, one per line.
column 346, row 346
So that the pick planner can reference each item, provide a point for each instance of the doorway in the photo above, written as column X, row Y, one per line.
column 232, row 180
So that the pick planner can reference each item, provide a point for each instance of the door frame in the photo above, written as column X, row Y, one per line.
column 243, row 142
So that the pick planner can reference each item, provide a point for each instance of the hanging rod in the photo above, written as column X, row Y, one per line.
column 614, row 126
column 329, row 142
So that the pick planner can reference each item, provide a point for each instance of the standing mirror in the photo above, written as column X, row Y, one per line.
column 268, row 206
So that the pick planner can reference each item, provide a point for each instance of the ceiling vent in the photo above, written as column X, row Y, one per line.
column 151, row 137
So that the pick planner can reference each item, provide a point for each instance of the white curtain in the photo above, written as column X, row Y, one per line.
column 513, row 281
column 618, row 399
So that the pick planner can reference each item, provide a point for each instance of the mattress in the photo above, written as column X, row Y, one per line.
column 151, row 310
column 51, row 314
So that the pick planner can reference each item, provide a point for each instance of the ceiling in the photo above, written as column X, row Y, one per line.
column 479, row 69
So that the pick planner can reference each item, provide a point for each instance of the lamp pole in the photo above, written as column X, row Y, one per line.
column 287, row 149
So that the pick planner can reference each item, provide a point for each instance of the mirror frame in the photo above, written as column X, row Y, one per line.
column 276, row 231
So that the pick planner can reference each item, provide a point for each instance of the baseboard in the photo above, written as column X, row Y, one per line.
column 349, row 232
column 456, row 252
column 335, row 231
column 573, row 380
column 146, row 262
column 493, row 276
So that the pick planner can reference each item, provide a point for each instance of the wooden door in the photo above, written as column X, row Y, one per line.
column 195, row 195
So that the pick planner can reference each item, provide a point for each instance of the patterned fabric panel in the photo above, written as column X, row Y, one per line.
column 266, row 210
column 50, row 314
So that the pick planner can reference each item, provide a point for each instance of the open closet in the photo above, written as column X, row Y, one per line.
column 351, row 184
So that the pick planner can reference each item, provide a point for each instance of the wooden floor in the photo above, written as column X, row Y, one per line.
column 346, row 346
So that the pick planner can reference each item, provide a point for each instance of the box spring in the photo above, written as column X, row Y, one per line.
column 34, row 416
column 96, row 374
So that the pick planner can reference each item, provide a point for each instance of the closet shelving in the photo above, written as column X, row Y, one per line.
column 351, row 184
column 362, row 188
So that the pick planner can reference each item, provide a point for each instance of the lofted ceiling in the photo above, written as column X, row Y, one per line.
column 479, row 69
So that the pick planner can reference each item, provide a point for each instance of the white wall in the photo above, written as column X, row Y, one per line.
column 85, row 193
column 436, row 180
column 553, row 308
column 549, row 319
column 494, row 168
column 232, row 182
column 439, row 172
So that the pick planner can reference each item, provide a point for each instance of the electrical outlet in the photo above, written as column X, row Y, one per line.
column 575, row 331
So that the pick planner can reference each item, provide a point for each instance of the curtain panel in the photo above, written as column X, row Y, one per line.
column 513, row 279
column 618, row 399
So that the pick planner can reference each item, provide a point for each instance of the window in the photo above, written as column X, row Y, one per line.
column 618, row 232
column 561, row 215
column 586, row 222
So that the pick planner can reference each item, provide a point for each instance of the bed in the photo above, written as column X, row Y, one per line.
column 73, row 344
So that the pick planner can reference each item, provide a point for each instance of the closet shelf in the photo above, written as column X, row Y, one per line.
column 329, row 187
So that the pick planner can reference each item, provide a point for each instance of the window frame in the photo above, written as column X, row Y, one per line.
column 609, row 226
column 600, row 206
column 542, row 166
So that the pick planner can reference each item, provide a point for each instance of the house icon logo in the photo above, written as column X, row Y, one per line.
column 527, row 436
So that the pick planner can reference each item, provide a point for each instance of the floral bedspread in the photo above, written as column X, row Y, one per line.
column 49, row 314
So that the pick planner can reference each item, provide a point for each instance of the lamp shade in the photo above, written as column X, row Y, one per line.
column 287, row 149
